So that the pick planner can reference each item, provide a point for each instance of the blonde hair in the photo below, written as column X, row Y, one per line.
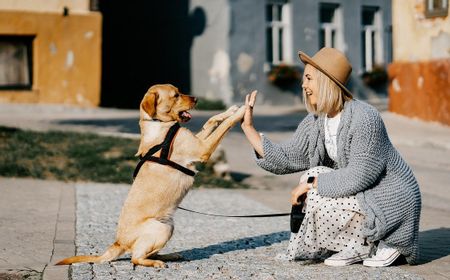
column 330, row 97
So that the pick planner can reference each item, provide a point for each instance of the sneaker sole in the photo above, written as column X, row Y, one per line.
column 346, row 261
column 382, row 263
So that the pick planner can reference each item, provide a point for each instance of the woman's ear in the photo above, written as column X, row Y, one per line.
column 148, row 104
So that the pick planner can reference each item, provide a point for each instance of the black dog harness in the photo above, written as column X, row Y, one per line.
column 164, row 160
column 165, row 154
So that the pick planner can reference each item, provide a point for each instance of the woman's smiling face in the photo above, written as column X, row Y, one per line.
column 309, row 84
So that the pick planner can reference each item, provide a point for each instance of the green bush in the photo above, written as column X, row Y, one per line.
column 208, row 104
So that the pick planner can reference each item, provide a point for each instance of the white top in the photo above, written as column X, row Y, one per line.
column 331, row 127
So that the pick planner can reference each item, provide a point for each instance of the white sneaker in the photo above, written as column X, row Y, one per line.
column 384, row 256
column 345, row 257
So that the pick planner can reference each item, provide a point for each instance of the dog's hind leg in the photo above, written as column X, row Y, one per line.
column 154, row 236
column 146, row 247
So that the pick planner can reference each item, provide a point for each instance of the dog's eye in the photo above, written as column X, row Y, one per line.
column 176, row 95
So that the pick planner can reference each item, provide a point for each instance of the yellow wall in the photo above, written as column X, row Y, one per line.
column 416, row 38
column 66, row 56
column 76, row 6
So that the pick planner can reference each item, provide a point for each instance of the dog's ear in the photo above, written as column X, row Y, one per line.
column 149, row 102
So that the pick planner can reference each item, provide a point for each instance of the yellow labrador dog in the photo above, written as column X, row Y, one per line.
column 146, row 223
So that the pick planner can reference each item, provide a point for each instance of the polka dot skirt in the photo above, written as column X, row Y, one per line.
column 330, row 224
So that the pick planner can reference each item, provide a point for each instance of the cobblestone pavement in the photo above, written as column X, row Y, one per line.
column 215, row 248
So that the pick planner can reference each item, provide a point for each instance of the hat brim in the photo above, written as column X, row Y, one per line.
column 308, row 60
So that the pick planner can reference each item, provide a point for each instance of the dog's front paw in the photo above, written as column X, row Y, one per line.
column 239, row 114
column 232, row 109
column 217, row 119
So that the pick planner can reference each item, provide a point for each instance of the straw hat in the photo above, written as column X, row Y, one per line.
column 332, row 63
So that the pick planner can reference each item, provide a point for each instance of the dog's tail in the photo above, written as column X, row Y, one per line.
column 113, row 252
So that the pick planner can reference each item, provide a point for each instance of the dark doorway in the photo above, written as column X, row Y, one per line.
column 146, row 43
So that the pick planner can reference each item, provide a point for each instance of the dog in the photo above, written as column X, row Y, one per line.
column 146, row 220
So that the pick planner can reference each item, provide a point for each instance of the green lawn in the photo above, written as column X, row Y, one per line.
column 71, row 156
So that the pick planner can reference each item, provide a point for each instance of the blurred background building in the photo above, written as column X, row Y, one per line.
column 420, row 72
column 217, row 49
column 50, row 52
column 253, row 44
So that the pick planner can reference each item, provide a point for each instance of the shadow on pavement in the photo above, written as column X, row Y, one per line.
column 234, row 245
column 124, row 125
column 239, row 176
column 434, row 244
column 266, row 123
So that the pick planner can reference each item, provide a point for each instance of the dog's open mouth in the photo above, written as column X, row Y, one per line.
column 185, row 116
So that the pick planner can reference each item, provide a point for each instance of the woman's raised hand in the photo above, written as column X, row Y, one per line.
column 247, row 125
column 249, row 103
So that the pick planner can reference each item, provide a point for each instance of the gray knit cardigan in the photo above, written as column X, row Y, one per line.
column 368, row 166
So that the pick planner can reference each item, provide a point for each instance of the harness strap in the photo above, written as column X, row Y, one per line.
column 164, row 155
column 166, row 144
column 172, row 164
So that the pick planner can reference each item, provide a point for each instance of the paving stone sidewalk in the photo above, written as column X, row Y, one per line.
column 216, row 248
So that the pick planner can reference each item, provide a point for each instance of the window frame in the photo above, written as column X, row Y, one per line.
column 328, row 27
column 430, row 12
column 28, row 40
column 285, row 40
column 372, row 56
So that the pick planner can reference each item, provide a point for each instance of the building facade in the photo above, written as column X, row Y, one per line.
column 50, row 52
column 253, row 44
column 420, row 72
column 217, row 49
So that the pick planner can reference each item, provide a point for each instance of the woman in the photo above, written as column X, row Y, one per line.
column 363, row 203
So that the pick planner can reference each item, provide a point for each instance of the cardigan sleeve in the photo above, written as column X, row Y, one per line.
column 367, row 162
column 289, row 156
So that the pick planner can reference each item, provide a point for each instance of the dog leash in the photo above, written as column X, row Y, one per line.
column 236, row 216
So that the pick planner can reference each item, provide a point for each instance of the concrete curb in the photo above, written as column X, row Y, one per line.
column 64, row 240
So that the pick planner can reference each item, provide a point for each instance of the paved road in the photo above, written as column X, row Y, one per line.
column 425, row 146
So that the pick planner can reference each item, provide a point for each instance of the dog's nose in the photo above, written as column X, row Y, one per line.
column 195, row 99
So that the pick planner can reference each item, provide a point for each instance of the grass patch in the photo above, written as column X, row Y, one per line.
column 71, row 156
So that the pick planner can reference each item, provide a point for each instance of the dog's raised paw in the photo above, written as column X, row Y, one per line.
column 240, row 112
column 233, row 108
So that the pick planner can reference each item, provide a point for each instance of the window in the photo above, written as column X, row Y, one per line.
column 278, row 32
column 436, row 8
column 16, row 62
column 371, row 38
column 330, row 34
